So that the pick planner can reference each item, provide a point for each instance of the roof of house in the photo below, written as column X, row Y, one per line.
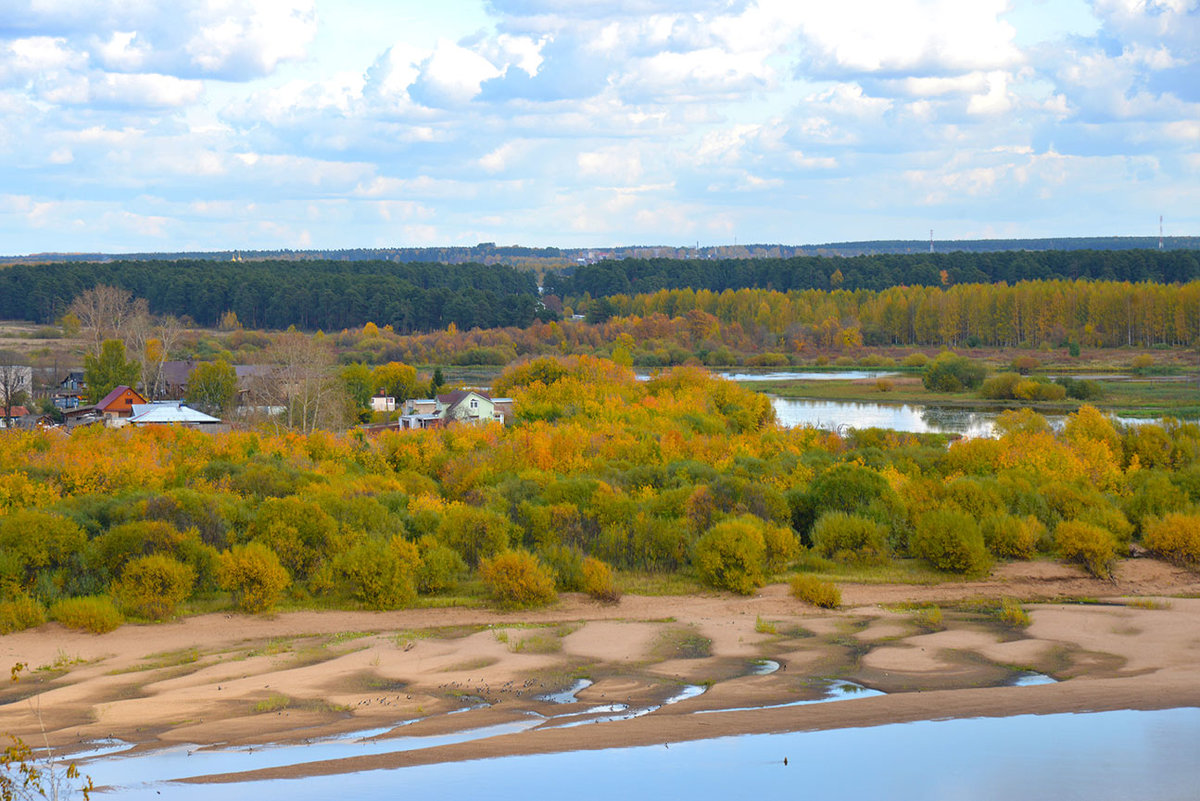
column 16, row 411
column 451, row 398
column 177, row 373
column 112, row 397
column 168, row 412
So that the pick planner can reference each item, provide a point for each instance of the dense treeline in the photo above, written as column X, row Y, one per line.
column 756, row 326
column 1095, row 314
column 683, row 473
column 326, row 295
column 640, row 276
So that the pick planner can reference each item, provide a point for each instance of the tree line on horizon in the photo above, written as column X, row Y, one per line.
column 310, row 295
column 876, row 272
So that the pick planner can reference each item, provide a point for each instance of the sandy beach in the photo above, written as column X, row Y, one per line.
column 1133, row 642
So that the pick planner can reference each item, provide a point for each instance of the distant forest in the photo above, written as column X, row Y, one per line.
column 640, row 276
column 308, row 294
column 422, row 297
column 552, row 258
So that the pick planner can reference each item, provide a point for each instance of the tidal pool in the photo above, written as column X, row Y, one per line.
column 1102, row 756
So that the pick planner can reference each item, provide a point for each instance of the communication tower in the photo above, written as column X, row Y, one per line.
column 1160, row 232
column 930, row 240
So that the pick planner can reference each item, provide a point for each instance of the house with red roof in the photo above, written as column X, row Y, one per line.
column 113, row 409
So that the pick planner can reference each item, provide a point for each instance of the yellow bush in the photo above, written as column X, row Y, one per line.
column 598, row 580
column 20, row 613
column 152, row 586
column 813, row 590
column 1176, row 537
column 1092, row 546
column 95, row 613
column 518, row 578
column 254, row 575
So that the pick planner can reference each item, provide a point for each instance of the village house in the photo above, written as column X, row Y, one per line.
column 113, row 409
column 460, row 406
column 173, row 413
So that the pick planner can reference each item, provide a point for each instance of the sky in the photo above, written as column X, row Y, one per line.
column 136, row 125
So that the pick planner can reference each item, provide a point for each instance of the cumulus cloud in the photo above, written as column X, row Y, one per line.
column 602, row 121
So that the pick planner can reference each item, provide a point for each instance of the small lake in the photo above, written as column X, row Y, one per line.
column 1102, row 756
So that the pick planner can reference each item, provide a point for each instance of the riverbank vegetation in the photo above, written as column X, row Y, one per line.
column 684, row 476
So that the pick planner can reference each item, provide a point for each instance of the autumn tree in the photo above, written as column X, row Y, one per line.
column 15, row 386
column 106, row 312
column 302, row 383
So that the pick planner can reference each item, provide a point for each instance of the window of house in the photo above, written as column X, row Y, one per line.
column 474, row 404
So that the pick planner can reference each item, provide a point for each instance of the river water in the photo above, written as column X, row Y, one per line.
column 1150, row 756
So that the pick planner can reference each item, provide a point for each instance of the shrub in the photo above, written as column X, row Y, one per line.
column 94, row 613
column 441, row 567
column 1175, row 537
column 1142, row 363
column 598, row 580
column 20, row 613
column 1090, row 545
column 884, row 385
column 1010, row 613
column 732, row 556
column 254, row 575
column 517, row 578
column 950, row 540
column 152, row 586
column 1025, row 364
column 915, row 360
column 382, row 573
column 1080, row 388
column 1011, row 537
column 813, row 590
column 929, row 618
column 849, row 538
column 566, row 563
column 950, row 372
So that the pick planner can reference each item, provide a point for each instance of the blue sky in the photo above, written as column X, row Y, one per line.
column 134, row 125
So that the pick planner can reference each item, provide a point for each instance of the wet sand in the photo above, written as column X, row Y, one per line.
column 232, row 679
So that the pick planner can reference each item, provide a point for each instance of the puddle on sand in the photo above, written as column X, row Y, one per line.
column 567, row 696
column 763, row 667
column 834, row 691
column 688, row 691
column 1029, row 678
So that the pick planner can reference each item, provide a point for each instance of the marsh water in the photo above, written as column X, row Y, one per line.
column 1100, row 756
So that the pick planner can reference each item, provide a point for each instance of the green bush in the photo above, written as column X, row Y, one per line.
column 254, row 576
column 1090, row 545
column 94, row 613
column 732, row 555
column 813, row 590
column 950, row 540
column 517, row 578
column 849, row 538
column 566, row 563
column 20, row 613
column 441, row 567
column 152, row 586
column 1176, row 537
column 1011, row 537
column 950, row 372
column 382, row 574
column 915, row 360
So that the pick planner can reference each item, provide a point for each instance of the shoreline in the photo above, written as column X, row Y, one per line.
column 233, row 681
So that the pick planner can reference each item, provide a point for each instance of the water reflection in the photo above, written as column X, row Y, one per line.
column 1105, row 756
column 911, row 418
